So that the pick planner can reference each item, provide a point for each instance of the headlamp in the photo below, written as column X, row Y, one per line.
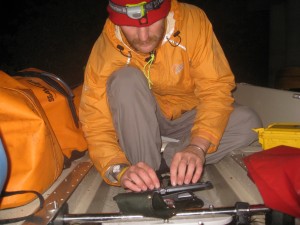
column 136, row 11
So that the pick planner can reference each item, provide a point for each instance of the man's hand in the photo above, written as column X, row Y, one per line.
column 140, row 177
column 187, row 166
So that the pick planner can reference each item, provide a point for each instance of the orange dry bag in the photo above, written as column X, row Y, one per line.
column 34, row 156
column 56, row 98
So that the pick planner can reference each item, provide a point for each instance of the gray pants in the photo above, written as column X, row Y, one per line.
column 140, row 124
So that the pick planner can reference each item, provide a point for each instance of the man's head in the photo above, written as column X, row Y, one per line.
column 137, row 13
column 145, row 39
column 142, row 23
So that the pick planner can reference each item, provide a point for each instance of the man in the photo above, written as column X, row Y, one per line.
column 158, row 70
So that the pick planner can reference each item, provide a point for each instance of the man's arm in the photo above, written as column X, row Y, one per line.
column 94, row 112
column 214, row 81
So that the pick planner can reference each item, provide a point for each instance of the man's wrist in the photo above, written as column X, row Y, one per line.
column 121, row 173
column 115, row 172
column 198, row 148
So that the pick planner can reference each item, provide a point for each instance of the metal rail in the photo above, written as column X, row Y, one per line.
column 59, row 197
column 242, row 212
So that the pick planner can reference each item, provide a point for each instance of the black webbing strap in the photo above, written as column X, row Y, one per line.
column 18, row 219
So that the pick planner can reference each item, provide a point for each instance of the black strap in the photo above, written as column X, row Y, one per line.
column 18, row 219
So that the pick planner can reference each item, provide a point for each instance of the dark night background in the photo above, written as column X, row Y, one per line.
column 57, row 36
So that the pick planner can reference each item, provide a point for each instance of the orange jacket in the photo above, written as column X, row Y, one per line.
column 195, row 73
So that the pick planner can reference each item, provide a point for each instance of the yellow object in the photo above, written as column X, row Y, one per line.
column 121, row 173
column 279, row 134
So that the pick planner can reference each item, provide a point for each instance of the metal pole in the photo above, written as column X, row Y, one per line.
column 97, row 218
column 103, row 217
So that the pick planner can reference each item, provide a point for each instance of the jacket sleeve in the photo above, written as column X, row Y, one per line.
column 94, row 112
column 214, row 82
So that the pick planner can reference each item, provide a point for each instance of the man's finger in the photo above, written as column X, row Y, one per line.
column 144, row 176
column 174, row 169
column 183, row 164
column 198, row 173
column 154, row 178
column 127, row 183
column 190, row 171
column 148, row 175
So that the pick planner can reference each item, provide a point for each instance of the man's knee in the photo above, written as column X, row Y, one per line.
column 127, row 78
column 238, row 133
column 243, row 120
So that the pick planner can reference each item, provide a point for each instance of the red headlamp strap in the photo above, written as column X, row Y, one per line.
column 137, row 11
